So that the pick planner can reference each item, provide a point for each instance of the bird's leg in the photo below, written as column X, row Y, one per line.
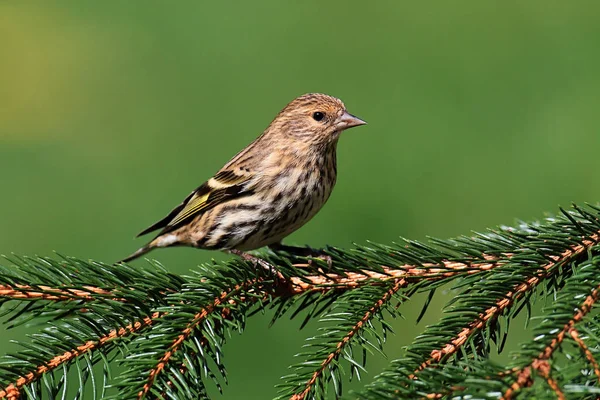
column 256, row 261
column 302, row 252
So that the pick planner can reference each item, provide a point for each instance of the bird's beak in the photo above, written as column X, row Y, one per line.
column 348, row 120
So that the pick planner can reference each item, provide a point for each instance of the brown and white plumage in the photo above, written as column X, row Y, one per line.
column 269, row 189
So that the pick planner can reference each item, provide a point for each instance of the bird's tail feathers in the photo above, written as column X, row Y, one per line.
column 140, row 252
column 159, row 241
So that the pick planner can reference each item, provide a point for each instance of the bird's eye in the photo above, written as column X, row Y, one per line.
column 318, row 116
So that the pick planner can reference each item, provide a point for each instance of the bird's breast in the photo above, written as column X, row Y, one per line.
column 299, row 194
column 282, row 203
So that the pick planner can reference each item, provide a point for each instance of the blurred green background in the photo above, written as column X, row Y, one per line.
column 111, row 112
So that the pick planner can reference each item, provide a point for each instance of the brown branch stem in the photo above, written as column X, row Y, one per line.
column 351, row 280
column 543, row 368
column 26, row 292
column 588, row 354
column 13, row 390
column 503, row 303
column 540, row 363
column 401, row 275
column 298, row 285
column 291, row 286
column 226, row 314
column 400, row 283
column 193, row 324
column 323, row 283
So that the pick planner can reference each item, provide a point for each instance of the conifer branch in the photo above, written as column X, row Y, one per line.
column 506, row 301
column 444, row 269
column 543, row 369
column 26, row 292
column 197, row 319
column 588, row 354
column 540, row 363
column 398, row 284
column 12, row 391
column 180, row 347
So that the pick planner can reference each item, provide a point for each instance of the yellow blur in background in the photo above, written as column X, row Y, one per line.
column 111, row 112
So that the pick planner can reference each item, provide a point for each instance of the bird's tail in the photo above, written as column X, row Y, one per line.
column 159, row 241
column 139, row 253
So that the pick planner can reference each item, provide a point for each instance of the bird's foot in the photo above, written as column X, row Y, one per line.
column 307, row 252
column 257, row 262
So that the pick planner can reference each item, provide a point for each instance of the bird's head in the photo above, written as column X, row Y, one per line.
column 314, row 118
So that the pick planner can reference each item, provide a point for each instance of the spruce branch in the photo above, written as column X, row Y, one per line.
column 13, row 389
column 588, row 354
column 335, row 346
column 169, row 332
column 505, row 301
column 351, row 280
column 541, row 254
column 196, row 320
column 22, row 292
column 540, row 363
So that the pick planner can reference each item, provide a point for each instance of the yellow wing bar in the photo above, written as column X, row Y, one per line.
column 222, row 186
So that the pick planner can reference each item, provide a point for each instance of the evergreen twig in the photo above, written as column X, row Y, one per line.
column 192, row 325
column 505, row 301
column 171, row 330
column 13, row 389
column 540, row 363
column 588, row 354
column 22, row 292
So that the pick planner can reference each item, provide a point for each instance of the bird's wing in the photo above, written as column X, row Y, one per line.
column 224, row 186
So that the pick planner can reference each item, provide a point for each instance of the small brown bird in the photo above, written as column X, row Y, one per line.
column 268, row 190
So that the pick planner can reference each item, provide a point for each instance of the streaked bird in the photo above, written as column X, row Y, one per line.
column 268, row 190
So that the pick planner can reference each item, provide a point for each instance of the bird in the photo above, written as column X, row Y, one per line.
column 268, row 190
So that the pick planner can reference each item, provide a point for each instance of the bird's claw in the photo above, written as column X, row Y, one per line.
column 323, row 257
column 256, row 261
